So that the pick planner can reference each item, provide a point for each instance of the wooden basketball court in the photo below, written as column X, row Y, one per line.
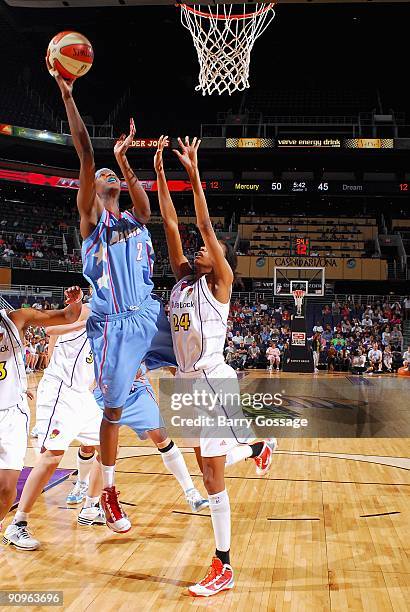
column 327, row 529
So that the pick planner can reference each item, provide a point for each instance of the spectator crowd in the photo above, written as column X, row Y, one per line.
column 347, row 337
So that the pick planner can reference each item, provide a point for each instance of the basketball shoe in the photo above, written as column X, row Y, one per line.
column 219, row 578
column 19, row 536
column 94, row 515
column 264, row 459
column 195, row 500
column 115, row 517
column 77, row 493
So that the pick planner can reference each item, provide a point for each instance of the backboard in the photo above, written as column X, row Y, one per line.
column 288, row 279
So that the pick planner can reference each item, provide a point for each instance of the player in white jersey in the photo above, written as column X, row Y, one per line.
column 14, row 414
column 199, row 308
column 66, row 410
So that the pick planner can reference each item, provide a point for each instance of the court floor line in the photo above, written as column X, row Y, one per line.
column 258, row 478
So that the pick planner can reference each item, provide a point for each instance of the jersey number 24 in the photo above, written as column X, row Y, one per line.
column 182, row 322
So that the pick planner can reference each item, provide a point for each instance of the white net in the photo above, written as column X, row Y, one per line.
column 224, row 41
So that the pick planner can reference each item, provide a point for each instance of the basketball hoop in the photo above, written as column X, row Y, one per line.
column 298, row 296
column 223, row 41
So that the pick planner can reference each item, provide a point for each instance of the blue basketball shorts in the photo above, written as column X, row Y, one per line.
column 141, row 411
column 121, row 342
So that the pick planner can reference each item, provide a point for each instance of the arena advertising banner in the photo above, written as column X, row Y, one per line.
column 286, row 141
column 369, row 143
column 5, row 129
column 146, row 143
column 308, row 142
column 33, row 178
column 41, row 135
column 250, row 143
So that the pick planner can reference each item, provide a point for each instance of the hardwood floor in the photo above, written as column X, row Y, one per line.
column 326, row 530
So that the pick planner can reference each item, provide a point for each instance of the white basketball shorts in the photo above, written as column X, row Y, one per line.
column 64, row 415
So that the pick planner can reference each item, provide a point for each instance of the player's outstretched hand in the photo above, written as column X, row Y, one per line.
column 73, row 295
column 124, row 142
column 66, row 86
column 188, row 156
column 158, row 159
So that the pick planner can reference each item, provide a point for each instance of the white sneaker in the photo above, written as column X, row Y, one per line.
column 77, row 493
column 34, row 432
column 20, row 537
column 91, row 516
column 195, row 500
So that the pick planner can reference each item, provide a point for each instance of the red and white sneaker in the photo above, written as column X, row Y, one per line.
column 219, row 578
column 264, row 459
column 116, row 519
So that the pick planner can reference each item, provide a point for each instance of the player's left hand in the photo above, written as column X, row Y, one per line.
column 124, row 142
column 158, row 159
column 73, row 295
column 188, row 156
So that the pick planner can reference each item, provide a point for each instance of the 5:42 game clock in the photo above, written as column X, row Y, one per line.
column 300, row 246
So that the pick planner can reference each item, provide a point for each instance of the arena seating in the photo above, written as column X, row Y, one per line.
column 341, row 237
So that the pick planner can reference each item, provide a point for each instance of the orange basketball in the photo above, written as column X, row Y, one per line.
column 70, row 54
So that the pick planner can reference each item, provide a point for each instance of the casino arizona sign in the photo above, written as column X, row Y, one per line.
column 306, row 262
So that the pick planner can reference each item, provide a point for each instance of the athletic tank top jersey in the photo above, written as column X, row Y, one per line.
column 118, row 261
column 198, row 325
column 13, row 380
column 72, row 361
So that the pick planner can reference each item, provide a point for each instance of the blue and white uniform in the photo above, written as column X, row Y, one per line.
column 66, row 408
column 14, row 410
column 127, row 325
column 141, row 411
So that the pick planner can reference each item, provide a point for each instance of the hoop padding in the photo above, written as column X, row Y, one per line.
column 224, row 41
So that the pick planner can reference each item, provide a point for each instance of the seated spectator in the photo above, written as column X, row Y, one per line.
column 254, row 354
column 388, row 359
column 375, row 359
column 343, row 360
column 406, row 357
column 331, row 358
column 358, row 365
column 338, row 343
column 229, row 352
column 327, row 335
column 237, row 339
column 396, row 337
column 242, row 356
column 248, row 340
column 273, row 357
column 318, row 328
column 386, row 336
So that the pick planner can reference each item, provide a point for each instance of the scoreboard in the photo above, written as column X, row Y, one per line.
column 279, row 187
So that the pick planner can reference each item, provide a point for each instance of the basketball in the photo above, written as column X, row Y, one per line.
column 71, row 54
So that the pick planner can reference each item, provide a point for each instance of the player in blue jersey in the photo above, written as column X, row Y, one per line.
column 127, row 324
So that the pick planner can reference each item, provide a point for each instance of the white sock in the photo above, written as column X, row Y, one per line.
column 20, row 516
column 91, row 501
column 221, row 519
column 175, row 463
column 108, row 473
column 238, row 453
column 84, row 467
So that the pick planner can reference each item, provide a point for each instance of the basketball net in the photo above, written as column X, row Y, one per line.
column 298, row 296
column 223, row 41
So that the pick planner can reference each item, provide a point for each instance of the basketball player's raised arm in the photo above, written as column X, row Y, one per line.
column 179, row 263
column 86, row 198
column 140, row 200
column 188, row 156
column 30, row 316
column 59, row 330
